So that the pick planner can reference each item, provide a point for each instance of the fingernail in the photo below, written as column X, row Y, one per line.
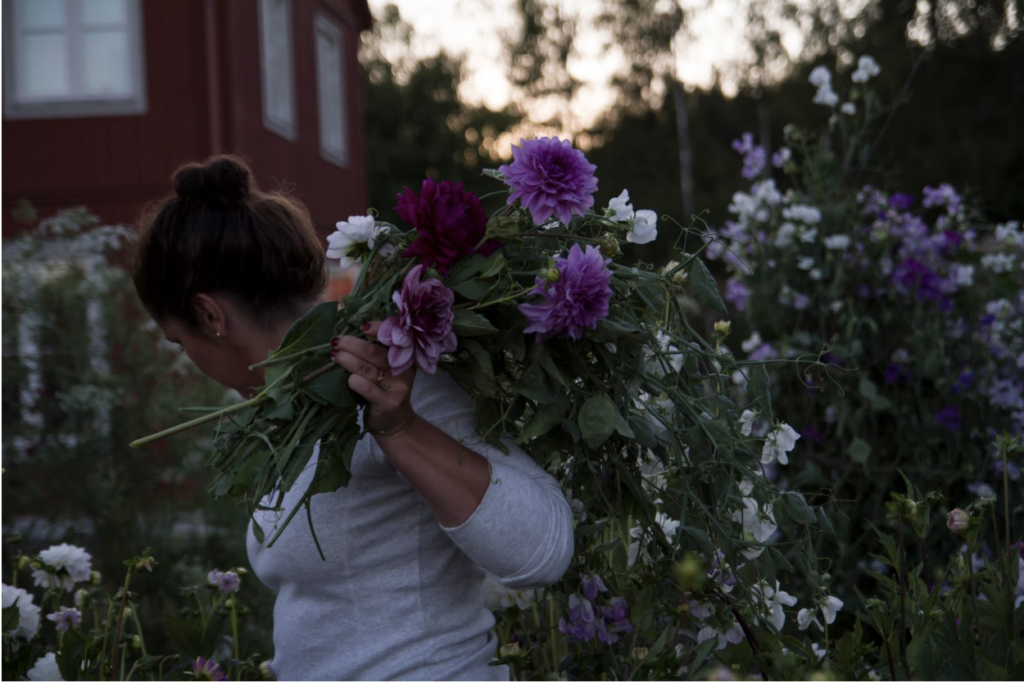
column 335, row 342
column 366, row 327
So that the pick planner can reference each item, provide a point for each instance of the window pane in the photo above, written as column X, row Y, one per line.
column 43, row 66
column 277, row 62
column 42, row 14
column 330, row 93
column 104, row 12
column 105, row 63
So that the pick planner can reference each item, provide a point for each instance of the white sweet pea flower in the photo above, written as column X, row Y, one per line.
column 802, row 213
column 837, row 242
column 778, row 444
column 963, row 275
column 826, row 96
column 805, row 617
column 758, row 525
column 815, row 273
column 645, row 227
column 867, row 68
column 774, row 599
column 752, row 343
column 734, row 635
column 668, row 525
column 497, row 596
column 809, row 236
column 746, row 422
column 620, row 208
column 354, row 239
column 1010, row 233
column 848, row 108
column 830, row 607
column 784, row 237
column 805, row 262
column 819, row 651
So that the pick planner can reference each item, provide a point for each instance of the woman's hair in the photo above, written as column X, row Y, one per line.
column 218, row 233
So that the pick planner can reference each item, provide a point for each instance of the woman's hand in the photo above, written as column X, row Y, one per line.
column 390, row 411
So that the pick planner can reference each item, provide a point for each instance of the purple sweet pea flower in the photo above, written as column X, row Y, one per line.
column 581, row 624
column 578, row 300
column 550, row 177
column 422, row 330
column 812, row 434
column 801, row 301
column 592, row 585
column 949, row 417
column 863, row 291
column 963, row 382
column 763, row 352
column 911, row 275
column 944, row 195
column 901, row 201
column 737, row 293
column 896, row 373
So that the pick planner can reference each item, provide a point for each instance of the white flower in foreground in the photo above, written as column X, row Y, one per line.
column 354, row 239
column 758, row 525
column 66, row 565
column 867, row 68
column 820, row 76
column 774, row 599
column 45, row 669
column 848, row 108
column 746, row 422
column 734, row 635
column 805, row 617
column 620, row 207
column 668, row 525
column 28, row 611
column 819, row 651
column 778, row 444
column 830, row 607
column 645, row 227
column 497, row 596
column 837, row 242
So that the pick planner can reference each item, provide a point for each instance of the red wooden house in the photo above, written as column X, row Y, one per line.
column 103, row 99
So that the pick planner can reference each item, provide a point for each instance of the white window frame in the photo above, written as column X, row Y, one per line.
column 286, row 126
column 74, row 105
column 336, row 155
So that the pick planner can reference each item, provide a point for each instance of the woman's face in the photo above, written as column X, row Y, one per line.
column 216, row 357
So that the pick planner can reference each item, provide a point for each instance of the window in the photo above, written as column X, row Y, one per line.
column 331, row 91
column 276, row 63
column 73, row 58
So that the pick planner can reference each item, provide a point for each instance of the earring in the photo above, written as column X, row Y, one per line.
column 218, row 334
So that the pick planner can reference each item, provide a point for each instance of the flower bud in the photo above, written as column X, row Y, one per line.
column 689, row 572
column 266, row 672
column 908, row 509
column 81, row 597
column 639, row 653
column 145, row 564
column 722, row 328
column 241, row 571
column 36, row 565
column 24, row 563
column 137, row 641
column 875, row 603
column 957, row 521
column 127, row 612
column 95, row 578
column 510, row 650
column 552, row 275
column 610, row 247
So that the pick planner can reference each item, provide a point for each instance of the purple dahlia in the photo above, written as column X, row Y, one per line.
column 550, row 178
column 450, row 223
column 576, row 301
column 422, row 330
column 207, row 670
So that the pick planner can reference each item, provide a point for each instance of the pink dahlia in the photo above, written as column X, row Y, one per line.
column 207, row 670
column 422, row 330
column 449, row 223
column 550, row 177
column 578, row 300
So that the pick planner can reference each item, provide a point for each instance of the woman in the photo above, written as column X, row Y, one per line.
column 225, row 270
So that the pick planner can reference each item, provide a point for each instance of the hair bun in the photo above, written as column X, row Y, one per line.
column 221, row 182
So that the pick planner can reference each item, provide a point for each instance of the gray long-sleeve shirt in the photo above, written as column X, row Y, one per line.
column 399, row 595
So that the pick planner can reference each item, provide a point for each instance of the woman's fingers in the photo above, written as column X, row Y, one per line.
column 373, row 354
column 370, row 329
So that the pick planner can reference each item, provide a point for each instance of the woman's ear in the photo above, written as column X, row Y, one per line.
column 210, row 314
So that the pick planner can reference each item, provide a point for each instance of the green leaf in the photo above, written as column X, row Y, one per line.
column 470, row 324
column 465, row 269
column 597, row 420
column 69, row 660
column 702, row 284
column 257, row 531
column 622, row 427
column 313, row 329
column 535, row 385
column 701, row 653
column 474, row 289
column 331, row 388
column 494, row 173
column 642, row 429
column 701, row 538
column 480, row 365
column 825, row 523
column 798, row 509
column 543, row 421
column 495, row 264
column 12, row 617
column 859, row 451
column 760, row 390
column 605, row 547
column 186, row 636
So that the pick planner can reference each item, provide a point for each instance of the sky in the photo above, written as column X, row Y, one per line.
column 473, row 28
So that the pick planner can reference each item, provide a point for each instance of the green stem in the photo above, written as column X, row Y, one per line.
column 234, row 634
column 903, row 609
column 197, row 422
column 974, row 593
column 291, row 356
column 138, row 629
column 510, row 297
column 120, row 617
column 1006, row 500
column 106, row 633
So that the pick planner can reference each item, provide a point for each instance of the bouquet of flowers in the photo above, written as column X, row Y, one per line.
column 589, row 365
